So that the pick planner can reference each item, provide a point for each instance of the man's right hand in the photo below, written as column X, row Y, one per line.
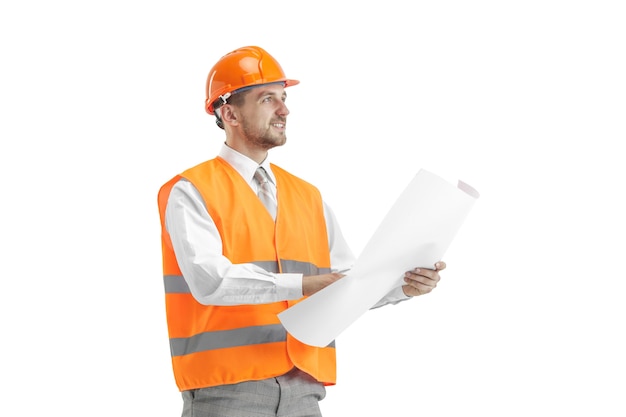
column 313, row 283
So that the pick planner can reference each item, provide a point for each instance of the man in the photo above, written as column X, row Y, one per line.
column 242, row 241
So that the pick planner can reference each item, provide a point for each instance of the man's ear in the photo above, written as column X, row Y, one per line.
column 229, row 114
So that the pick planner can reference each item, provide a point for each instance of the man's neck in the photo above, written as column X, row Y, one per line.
column 257, row 155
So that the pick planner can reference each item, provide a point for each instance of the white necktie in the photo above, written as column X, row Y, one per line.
column 265, row 191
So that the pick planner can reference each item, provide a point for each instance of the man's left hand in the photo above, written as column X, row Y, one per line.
column 420, row 281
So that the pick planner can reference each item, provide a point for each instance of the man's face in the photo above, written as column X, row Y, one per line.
column 264, row 116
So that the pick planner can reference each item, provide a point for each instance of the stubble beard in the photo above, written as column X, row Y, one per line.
column 264, row 139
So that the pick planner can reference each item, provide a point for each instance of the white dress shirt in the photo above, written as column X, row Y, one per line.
column 213, row 278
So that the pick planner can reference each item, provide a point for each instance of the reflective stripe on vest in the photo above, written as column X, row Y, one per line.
column 228, row 338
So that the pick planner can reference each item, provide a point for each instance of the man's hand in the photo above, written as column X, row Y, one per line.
column 421, row 281
column 313, row 283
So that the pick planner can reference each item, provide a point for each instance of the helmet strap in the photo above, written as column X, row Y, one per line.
column 225, row 97
column 218, row 119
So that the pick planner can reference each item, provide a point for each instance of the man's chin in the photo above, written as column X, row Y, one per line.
column 276, row 143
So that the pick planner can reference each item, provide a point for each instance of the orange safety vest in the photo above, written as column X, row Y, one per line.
column 216, row 345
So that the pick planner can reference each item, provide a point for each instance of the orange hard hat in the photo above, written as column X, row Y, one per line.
column 244, row 67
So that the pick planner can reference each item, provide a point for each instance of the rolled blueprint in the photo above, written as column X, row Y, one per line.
column 416, row 232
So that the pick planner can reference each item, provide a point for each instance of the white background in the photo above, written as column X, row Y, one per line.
column 102, row 102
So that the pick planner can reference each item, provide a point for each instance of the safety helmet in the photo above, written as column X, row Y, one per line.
column 248, row 66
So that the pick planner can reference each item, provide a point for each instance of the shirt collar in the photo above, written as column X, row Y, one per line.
column 245, row 166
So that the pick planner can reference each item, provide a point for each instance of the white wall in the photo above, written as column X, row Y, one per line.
column 102, row 102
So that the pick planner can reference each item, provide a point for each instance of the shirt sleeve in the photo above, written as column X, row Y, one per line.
column 393, row 297
column 341, row 256
column 212, row 278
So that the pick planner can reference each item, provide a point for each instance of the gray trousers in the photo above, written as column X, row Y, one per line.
column 295, row 394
